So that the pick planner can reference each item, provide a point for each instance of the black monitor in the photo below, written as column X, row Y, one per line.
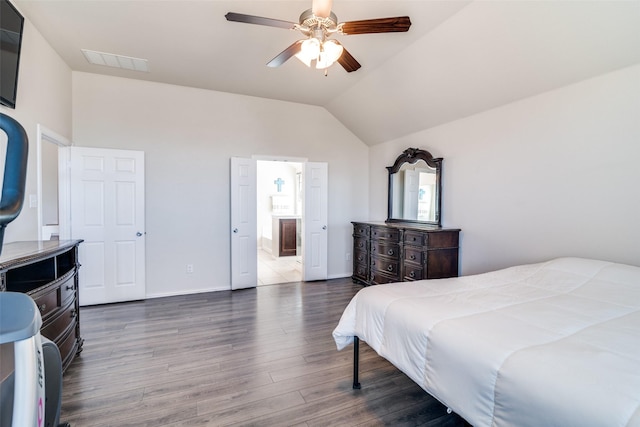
column 11, row 25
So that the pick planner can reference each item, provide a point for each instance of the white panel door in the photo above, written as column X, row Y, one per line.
column 244, row 231
column 107, row 212
column 314, row 223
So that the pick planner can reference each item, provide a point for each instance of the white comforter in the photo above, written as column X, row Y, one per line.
column 550, row 344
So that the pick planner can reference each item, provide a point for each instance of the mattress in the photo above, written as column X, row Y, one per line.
column 554, row 343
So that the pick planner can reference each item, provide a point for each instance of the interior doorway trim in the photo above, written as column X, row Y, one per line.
column 45, row 135
column 280, row 158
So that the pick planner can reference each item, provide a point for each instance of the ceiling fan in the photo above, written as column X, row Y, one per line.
column 318, row 24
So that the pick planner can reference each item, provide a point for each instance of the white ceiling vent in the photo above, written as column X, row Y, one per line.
column 117, row 61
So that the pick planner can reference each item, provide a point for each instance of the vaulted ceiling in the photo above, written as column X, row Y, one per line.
column 459, row 57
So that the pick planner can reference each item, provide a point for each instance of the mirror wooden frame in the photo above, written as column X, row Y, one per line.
column 411, row 156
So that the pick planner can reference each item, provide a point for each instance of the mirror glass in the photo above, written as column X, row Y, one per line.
column 414, row 188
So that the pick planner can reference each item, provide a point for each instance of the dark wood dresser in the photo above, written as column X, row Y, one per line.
column 398, row 252
column 47, row 271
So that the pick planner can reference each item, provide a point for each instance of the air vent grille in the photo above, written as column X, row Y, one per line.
column 116, row 61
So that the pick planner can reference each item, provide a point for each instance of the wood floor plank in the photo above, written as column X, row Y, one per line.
column 261, row 357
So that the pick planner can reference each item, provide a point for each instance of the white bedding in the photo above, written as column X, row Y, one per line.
column 549, row 344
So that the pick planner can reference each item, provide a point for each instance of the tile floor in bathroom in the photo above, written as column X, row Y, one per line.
column 272, row 270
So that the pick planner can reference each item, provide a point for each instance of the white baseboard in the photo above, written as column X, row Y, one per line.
column 186, row 292
column 339, row 275
column 228, row 288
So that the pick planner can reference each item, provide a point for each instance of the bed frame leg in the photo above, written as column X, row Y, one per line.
column 356, row 359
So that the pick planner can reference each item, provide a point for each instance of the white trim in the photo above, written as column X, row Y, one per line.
column 279, row 158
column 46, row 135
column 187, row 292
column 339, row 276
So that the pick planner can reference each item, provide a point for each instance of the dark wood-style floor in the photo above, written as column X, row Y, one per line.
column 262, row 357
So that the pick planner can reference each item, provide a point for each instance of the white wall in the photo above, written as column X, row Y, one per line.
column 44, row 97
column 188, row 136
column 552, row 175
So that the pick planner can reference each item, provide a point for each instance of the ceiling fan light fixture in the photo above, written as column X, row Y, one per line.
column 331, row 51
column 309, row 51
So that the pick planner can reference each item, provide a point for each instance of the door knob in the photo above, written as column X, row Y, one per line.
column 235, row 230
column 324, row 227
column 138, row 234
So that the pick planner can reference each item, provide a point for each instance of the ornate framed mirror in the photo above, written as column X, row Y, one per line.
column 415, row 188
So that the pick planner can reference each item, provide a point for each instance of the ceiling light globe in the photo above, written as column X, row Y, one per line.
column 331, row 51
column 309, row 51
column 311, row 48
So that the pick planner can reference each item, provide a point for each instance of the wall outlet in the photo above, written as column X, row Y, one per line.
column 348, row 256
column 189, row 268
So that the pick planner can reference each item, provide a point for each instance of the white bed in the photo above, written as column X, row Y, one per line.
column 549, row 344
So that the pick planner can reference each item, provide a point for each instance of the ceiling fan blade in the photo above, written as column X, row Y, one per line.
column 321, row 8
column 259, row 20
column 285, row 54
column 348, row 62
column 398, row 24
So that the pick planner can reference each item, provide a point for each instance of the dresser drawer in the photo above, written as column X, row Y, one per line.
column 68, row 347
column 386, row 233
column 378, row 278
column 413, row 255
column 360, row 244
column 412, row 272
column 58, row 326
column 415, row 238
column 386, row 266
column 47, row 303
column 361, row 257
column 361, row 230
column 67, row 290
column 361, row 271
column 385, row 249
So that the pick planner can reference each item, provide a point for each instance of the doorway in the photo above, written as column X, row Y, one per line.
column 244, row 224
column 279, row 221
column 52, row 193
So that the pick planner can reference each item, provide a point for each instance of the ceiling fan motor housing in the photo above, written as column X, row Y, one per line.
column 310, row 21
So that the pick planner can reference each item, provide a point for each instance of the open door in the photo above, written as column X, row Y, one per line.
column 244, row 232
column 314, row 223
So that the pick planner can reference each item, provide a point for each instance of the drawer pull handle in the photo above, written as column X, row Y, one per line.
column 73, row 313
column 42, row 308
column 390, row 251
column 390, row 268
column 412, row 257
column 360, row 258
column 69, row 287
column 361, row 245
column 412, row 274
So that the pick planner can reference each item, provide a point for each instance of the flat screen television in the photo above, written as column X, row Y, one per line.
column 11, row 25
